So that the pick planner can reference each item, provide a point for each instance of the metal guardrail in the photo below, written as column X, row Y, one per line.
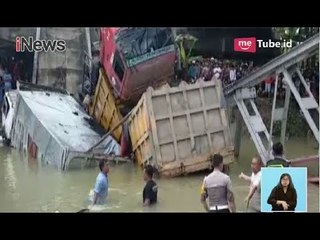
column 295, row 55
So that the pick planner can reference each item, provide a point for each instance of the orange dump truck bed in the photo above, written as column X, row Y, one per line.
column 177, row 129
column 103, row 107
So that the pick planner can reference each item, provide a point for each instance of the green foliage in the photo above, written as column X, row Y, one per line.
column 296, row 124
column 185, row 42
column 296, row 34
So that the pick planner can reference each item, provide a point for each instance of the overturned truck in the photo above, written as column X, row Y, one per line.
column 52, row 127
column 177, row 129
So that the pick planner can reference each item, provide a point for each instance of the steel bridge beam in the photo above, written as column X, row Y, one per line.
column 284, row 61
column 287, row 64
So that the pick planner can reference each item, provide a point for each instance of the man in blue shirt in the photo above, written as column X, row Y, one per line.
column 101, row 186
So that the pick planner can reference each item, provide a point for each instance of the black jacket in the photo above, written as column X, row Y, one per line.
column 277, row 194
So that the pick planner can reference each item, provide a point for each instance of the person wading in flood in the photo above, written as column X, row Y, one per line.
column 217, row 187
column 254, row 197
column 278, row 160
column 150, row 191
column 101, row 186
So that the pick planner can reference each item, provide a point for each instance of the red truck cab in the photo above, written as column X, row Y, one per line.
column 136, row 58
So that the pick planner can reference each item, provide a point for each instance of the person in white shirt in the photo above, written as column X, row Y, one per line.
column 233, row 74
column 217, row 71
column 253, row 198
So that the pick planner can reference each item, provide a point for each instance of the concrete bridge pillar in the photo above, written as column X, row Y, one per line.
column 63, row 69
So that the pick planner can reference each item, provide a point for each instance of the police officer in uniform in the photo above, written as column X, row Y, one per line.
column 217, row 188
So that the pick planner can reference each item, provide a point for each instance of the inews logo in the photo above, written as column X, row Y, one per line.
column 250, row 44
column 23, row 44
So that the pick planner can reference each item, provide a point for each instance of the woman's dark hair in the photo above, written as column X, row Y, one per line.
column 290, row 186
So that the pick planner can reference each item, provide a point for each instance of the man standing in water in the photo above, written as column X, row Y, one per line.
column 254, row 196
column 217, row 187
column 101, row 186
column 150, row 190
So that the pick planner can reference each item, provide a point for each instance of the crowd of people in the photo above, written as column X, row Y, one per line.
column 310, row 74
column 11, row 71
column 230, row 71
column 227, row 71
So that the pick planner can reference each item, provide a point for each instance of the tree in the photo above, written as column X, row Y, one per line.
column 298, row 35
column 185, row 41
column 295, row 34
